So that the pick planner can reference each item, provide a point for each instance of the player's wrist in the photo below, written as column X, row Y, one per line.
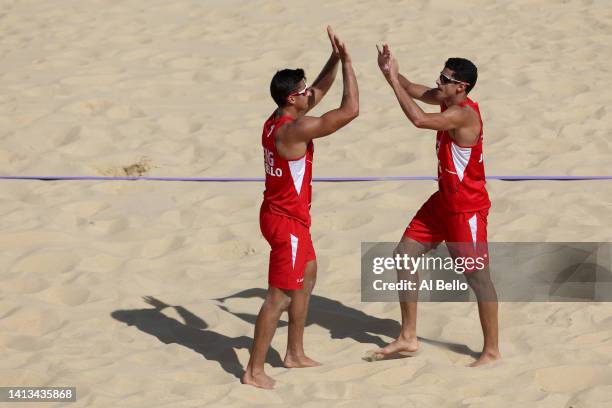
column 393, row 81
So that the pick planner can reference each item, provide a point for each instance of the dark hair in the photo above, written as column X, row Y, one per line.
column 463, row 70
column 283, row 83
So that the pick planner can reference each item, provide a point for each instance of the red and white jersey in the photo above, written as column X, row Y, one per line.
column 288, row 182
column 461, row 174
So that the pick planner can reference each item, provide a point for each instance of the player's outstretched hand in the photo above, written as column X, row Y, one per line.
column 338, row 46
column 383, row 59
column 332, row 40
column 387, row 63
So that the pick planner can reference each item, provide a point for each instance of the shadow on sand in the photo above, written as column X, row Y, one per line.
column 341, row 321
column 345, row 322
column 193, row 334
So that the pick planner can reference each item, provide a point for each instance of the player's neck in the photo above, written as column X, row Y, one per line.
column 455, row 100
column 288, row 111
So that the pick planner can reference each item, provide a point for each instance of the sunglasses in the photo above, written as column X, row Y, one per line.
column 447, row 80
column 302, row 92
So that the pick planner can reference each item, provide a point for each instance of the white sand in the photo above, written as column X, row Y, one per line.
column 181, row 89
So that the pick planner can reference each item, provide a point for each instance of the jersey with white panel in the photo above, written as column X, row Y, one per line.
column 288, row 182
column 461, row 174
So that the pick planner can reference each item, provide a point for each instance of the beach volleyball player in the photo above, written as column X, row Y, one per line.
column 288, row 149
column 457, row 212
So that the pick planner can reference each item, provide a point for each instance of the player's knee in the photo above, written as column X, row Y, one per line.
column 310, row 273
column 404, row 248
column 285, row 303
column 406, row 272
column 481, row 284
column 278, row 300
column 399, row 250
column 478, row 277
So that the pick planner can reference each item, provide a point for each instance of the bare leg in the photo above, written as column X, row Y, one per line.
column 298, row 310
column 407, row 340
column 480, row 282
column 276, row 302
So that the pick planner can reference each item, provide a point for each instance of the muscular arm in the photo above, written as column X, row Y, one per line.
column 423, row 93
column 308, row 127
column 452, row 118
column 324, row 81
column 292, row 142
column 456, row 118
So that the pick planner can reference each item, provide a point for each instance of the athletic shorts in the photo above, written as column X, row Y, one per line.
column 291, row 248
column 465, row 233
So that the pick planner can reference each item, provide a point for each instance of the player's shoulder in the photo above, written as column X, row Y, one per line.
column 459, row 112
column 301, row 123
column 467, row 111
column 460, row 107
column 292, row 129
column 304, row 119
column 283, row 126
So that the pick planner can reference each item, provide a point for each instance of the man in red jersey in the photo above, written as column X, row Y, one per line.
column 457, row 212
column 285, row 213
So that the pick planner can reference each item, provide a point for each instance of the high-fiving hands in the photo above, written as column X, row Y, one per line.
column 338, row 46
column 387, row 63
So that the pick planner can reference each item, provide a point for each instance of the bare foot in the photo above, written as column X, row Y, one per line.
column 292, row 361
column 485, row 358
column 402, row 346
column 260, row 380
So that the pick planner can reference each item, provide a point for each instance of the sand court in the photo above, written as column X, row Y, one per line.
column 181, row 90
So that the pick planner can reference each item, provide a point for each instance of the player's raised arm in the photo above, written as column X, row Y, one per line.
column 327, row 75
column 307, row 128
column 423, row 93
column 452, row 118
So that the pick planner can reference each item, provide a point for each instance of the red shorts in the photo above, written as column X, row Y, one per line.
column 291, row 248
column 465, row 233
